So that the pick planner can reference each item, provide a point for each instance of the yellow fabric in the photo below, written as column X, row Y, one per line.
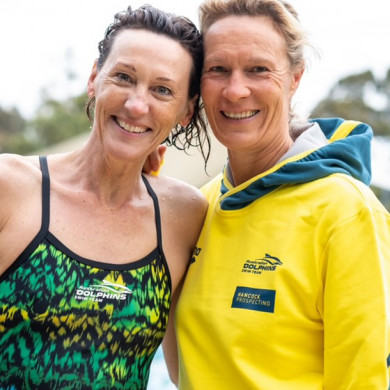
column 343, row 130
column 322, row 248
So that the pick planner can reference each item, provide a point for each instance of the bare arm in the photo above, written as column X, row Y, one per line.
column 20, row 183
column 181, row 234
column 169, row 343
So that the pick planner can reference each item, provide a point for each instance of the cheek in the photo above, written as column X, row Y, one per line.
column 166, row 117
column 109, row 99
column 274, row 91
column 101, row 104
column 285, row 83
column 209, row 89
column 275, row 83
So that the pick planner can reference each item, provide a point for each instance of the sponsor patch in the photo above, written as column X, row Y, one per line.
column 254, row 299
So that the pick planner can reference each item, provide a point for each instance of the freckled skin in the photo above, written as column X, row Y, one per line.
column 247, row 72
column 142, row 96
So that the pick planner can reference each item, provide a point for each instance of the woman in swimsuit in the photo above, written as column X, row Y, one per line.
column 93, row 251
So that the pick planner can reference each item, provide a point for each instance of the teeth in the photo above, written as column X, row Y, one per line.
column 131, row 129
column 240, row 115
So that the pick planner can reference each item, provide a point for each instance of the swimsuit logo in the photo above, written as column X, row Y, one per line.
column 104, row 291
column 258, row 266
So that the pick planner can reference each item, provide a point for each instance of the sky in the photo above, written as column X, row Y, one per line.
column 43, row 41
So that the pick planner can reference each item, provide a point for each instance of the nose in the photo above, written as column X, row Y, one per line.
column 236, row 87
column 137, row 102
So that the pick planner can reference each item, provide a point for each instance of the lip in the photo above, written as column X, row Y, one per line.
column 133, row 129
column 242, row 115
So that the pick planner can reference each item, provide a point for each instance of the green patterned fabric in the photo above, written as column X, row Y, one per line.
column 68, row 324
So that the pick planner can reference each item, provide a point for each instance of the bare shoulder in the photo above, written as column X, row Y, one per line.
column 16, row 170
column 179, row 195
column 18, row 176
column 20, row 193
column 183, row 209
column 18, row 162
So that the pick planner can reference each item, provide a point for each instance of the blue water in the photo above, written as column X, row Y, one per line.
column 159, row 379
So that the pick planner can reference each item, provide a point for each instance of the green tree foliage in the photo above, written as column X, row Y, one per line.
column 383, row 196
column 12, row 132
column 365, row 98
column 57, row 121
column 53, row 122
column 11, row 122
column 361, row 97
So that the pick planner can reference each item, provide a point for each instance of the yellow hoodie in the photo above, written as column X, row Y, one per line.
column 289, row 287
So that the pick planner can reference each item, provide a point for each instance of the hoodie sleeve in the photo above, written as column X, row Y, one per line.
column 356, row 301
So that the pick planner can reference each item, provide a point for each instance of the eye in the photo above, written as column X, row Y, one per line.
column 259, row 69
column 217, row 69
column 163, row 90
column 124, row 77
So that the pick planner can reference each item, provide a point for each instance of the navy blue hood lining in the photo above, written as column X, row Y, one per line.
column 350, row 155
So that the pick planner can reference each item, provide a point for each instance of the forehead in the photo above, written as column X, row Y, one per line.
column 244, row 31
column 158, row 49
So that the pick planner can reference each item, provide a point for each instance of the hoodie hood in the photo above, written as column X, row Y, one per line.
column 348, row 152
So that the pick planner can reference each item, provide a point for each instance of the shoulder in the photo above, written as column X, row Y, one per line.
column 20, row 179
column 183, row 209
column 212, row 188
column 351, row 193
column 19, row 176
column 17, row 161
column 177, row 193
column 340, row 199
column 14, row 167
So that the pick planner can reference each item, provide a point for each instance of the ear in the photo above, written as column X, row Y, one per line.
column 190, row 112
column 296, row 79
column 91, row 80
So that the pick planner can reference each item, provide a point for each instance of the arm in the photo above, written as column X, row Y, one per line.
column 169, row 343
column 357, row 303
column 186, row 207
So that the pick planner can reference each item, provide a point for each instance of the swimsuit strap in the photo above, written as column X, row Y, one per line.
column 46, row 201
column 156, row 212
column 45, row 194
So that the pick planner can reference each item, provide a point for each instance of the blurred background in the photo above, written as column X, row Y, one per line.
column 48, row 48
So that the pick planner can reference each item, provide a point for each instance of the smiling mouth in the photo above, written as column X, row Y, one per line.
column 130, row 129
column 240, row 115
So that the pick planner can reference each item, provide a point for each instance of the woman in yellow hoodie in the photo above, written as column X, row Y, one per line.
column 289, row 287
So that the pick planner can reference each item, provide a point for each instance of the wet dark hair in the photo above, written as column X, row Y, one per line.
column 183, row 31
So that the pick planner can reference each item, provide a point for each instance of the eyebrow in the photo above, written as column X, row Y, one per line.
column 219, row 58
column 124, row 65
column 167, row 79
column 133, row 69
column 214, row 58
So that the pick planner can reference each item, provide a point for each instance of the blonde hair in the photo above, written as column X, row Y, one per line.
column 282, row 14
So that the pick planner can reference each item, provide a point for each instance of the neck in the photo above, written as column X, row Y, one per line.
column 244, row 165
column 110, row 181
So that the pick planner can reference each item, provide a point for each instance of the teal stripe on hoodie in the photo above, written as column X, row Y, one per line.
column 350, row 155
